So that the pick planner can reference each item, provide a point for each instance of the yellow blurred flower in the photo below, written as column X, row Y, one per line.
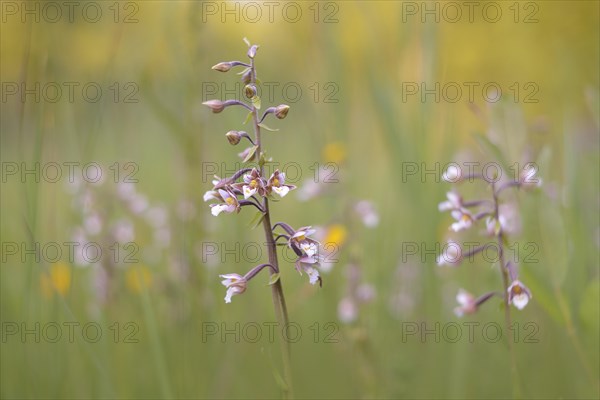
column 57, row 280
column 336, row 234
column 334, row 152
column 138, row 278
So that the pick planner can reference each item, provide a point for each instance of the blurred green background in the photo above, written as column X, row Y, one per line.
column 352, row 61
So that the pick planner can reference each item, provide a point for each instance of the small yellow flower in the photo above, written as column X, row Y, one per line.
column 334, row 152
column 57, row 280
column 138, row 278
column 336, row 234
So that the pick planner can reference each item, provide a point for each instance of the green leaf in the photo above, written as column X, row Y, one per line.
column 256, row 102
column 273, row 279
column 244, row 71
column 250, row 154
column 588, row 310
column 248, row 118
column 267, row 128
column 261, row 159
column 256, row 220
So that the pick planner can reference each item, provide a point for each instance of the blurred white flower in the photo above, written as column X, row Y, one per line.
column 123, row 231
column 367, row 213
column 156, row 216
column 162, row 237
column 365, row 292
column 467, row 303
column 138, row 203
column 452, row 174
column 93, row 224
column 451, row 254
column 528, row 176
column 464, row 220
column 125, row 190
column 347, row 310
column 454, row 202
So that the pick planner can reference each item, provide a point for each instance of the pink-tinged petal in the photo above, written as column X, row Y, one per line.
column 224, row 194
column 456, row 214
column 454, row 199
column 209, row 195
column 445, row 206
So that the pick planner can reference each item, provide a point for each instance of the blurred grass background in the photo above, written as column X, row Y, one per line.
column 368, row 53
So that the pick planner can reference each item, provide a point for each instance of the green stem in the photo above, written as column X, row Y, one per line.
column 276, row 289
column 506, row 283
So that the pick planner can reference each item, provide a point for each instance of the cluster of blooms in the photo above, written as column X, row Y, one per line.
column 250, row 187
column 226, row 191
column 357, row 294
column 132, row 211
column 500, row 219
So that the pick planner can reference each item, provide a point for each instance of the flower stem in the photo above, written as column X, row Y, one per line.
column 276, row 289
column 506, row 283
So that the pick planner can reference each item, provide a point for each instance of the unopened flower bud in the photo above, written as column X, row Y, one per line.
column 250, row 91
column 222, row 66
column 216, row 106
column 233, row 137
column 281, row 111
column 247, row 77
column 252, row 51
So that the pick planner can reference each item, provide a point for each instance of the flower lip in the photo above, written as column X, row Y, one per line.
column 276, row 183
column 518, row 294
column 235, row 284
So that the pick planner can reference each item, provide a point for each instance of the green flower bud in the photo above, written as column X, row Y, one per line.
column 281, row 111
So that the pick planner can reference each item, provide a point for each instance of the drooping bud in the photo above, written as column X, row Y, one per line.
column 250, row 91
column 281, row 111
column 252, row 51
column 247, row 76
column 223, row 66
column 233, row 137
column 216, row 106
